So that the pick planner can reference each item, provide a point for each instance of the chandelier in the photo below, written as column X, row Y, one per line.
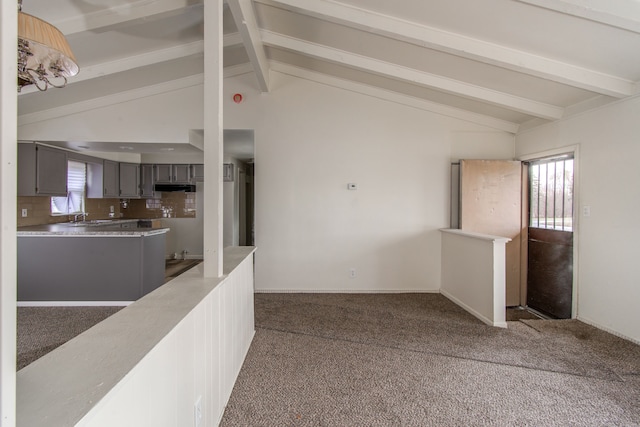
column 44, row 56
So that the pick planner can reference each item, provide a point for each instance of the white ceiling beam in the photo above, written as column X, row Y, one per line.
column 123, row 13
column 394, row 71
column 130, row 63
column 396, row 97
column 232, row 39
column 245, row 19
column 459, row 45
column 623, row 14
column 141, row 60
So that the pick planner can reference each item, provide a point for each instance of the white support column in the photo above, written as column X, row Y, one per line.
column 213, row 142
column 8, row 202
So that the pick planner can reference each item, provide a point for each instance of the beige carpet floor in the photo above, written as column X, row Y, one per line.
column 419, row 360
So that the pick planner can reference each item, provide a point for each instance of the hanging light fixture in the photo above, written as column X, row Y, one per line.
column 44, row 56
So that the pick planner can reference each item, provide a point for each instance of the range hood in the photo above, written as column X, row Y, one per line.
column 186, row 188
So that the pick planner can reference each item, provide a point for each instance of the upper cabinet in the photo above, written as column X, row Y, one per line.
column 197, row 173
column 42, row 171
column 129, row 180
column 111, row 179
column 173, row 174
column 147, row 180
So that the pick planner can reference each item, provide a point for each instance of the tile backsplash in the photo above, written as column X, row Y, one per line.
column 170, row 205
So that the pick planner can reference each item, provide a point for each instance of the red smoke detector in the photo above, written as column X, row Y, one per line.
column 237, row 98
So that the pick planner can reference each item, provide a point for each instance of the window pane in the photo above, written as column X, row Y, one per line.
column 551, row 194
column 76, row 184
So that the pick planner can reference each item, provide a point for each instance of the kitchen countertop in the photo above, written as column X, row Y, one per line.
column 113, row 228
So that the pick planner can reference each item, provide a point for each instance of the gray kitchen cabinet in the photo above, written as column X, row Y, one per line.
column 108, row 267
column 147, row 180
column 111, row 178
column 197, row 173
column 129, row 180
column 164, row 173
column 173, row 174
column 182, row 174
column 42, row 171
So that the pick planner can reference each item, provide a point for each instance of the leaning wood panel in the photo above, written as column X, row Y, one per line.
column 490, row 203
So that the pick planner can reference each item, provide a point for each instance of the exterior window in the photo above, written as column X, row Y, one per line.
column 551, row 192
column 76, row 185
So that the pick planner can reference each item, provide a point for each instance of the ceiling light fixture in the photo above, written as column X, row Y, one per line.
column 44, row 56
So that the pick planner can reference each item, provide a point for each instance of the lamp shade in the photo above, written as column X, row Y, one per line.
column 47, row 44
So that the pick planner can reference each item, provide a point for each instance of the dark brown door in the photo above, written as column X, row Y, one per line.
column 550, row 237
column 550, row 272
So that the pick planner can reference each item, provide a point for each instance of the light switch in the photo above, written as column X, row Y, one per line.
column 24, row 213
column 586, row 210
column 352, row 186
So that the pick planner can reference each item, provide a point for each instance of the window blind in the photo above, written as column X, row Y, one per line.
column 76, row 184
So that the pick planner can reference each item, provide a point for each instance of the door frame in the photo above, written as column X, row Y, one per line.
column 570, row 149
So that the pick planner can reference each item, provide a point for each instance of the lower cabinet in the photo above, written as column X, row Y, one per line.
column 93, row 268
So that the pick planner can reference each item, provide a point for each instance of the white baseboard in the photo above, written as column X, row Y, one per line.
column 346, row 291
column 74, row 303
column 467, row 308
column 609, row 330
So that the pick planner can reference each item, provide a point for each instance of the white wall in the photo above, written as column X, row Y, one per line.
column 474, row 274
column 608, row 176
column 310, row 141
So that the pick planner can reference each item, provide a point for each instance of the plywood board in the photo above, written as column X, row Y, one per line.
column 491, row 203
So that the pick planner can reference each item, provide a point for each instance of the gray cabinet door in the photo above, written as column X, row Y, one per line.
column 42, row 171
column 111, row 179
column 197, row 173
column 129, row 180
column 51, row 175
column 173, row 174
column 147, row 180
column 164, row 174
column 182, row 174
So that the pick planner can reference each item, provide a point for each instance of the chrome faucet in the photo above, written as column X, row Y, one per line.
column 82, row 215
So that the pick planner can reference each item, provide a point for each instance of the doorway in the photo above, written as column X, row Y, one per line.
column 550, row 236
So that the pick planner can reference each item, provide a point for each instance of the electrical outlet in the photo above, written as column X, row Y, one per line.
column 352, row 273
column 197, row 412
column 24, row 213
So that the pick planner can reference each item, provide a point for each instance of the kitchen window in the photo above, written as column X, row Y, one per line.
column 76, row 188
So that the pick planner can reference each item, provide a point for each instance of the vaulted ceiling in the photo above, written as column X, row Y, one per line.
column 507, row 64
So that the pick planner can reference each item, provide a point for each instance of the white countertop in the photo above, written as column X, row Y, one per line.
column 115, row 228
